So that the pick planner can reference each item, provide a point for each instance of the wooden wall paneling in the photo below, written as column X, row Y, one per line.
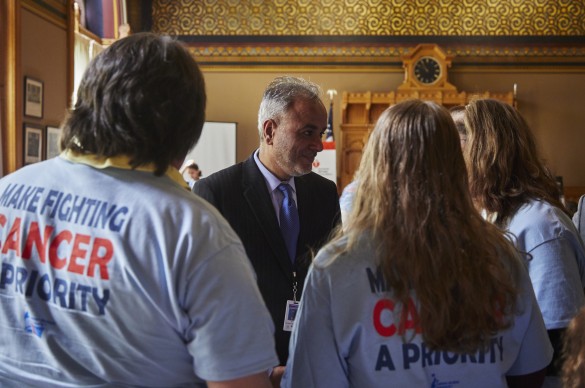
column 354, row 138
column 380, row 102
column 11, row 109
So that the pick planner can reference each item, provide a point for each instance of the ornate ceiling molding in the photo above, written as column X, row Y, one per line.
column 348, row 34
column 370, row 17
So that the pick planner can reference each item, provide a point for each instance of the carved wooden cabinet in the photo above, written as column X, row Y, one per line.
column 425, row 78
column 359, row 113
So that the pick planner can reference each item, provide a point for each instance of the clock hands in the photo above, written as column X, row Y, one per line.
column 427, row 70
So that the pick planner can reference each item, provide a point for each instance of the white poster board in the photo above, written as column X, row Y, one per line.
column 216, row 148
column 325, row 163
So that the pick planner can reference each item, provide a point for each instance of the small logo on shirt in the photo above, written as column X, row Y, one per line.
column 436, row 383
column 34, row 325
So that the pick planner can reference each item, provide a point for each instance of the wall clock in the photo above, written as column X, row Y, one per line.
column 427, row 70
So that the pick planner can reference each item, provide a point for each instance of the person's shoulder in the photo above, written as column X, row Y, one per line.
column 581, row 203
column 338, row 259
column 553, row 214
column 314, row 177
column 39, row 171
column 317, row 180
column 228, row 171
column 222, row 177
column 347, row 195
column 198, row 213
column 541, row 220
column 536, row 212
column 579, row 216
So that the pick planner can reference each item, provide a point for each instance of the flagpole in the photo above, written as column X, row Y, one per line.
column 329, row 136
column 325, row 163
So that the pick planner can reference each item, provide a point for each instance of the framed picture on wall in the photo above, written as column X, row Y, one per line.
column 52, row 143
column 33, row 97
column 33, row 143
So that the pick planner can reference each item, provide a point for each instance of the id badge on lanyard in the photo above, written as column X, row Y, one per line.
column 291, row 307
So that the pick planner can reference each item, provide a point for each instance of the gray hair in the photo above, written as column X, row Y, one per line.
column 281, row 93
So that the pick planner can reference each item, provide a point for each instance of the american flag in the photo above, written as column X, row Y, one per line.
column 329, row 132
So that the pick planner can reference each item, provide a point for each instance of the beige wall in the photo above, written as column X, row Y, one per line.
column 554, row 106
column 552, row 102
column 44, row 57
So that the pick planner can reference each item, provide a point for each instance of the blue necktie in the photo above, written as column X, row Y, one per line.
column 289, row 220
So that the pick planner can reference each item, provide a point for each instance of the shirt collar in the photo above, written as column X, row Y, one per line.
column 271, row 179
column 119, row 161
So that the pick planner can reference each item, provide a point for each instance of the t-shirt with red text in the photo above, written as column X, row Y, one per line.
column 346, row 334
column 117, row 276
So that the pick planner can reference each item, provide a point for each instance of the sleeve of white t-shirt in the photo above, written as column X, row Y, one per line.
column 554, row 273
column 230, row 329
column 314, row 359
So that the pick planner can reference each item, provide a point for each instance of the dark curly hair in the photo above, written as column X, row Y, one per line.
column 143, row 97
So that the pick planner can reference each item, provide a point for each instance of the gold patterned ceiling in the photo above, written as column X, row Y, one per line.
column 372, row 31
column 370, row 17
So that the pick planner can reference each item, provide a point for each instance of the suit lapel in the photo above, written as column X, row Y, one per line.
column 258, row 198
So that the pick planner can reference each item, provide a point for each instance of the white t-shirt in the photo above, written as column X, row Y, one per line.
column 114, row 276
column 345, row 335
column 556, row 261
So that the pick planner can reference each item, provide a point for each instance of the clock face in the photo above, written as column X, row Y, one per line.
column 427, row 70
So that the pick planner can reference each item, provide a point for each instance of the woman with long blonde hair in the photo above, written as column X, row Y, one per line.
column 417, row 289
column 510, row 184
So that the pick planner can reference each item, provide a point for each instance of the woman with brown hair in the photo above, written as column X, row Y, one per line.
column 417, row 289
column 573, row 371
column 511, row 186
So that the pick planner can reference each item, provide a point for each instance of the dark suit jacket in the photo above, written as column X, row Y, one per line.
column 239, row 192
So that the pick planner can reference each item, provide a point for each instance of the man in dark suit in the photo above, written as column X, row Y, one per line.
column 291, row 122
